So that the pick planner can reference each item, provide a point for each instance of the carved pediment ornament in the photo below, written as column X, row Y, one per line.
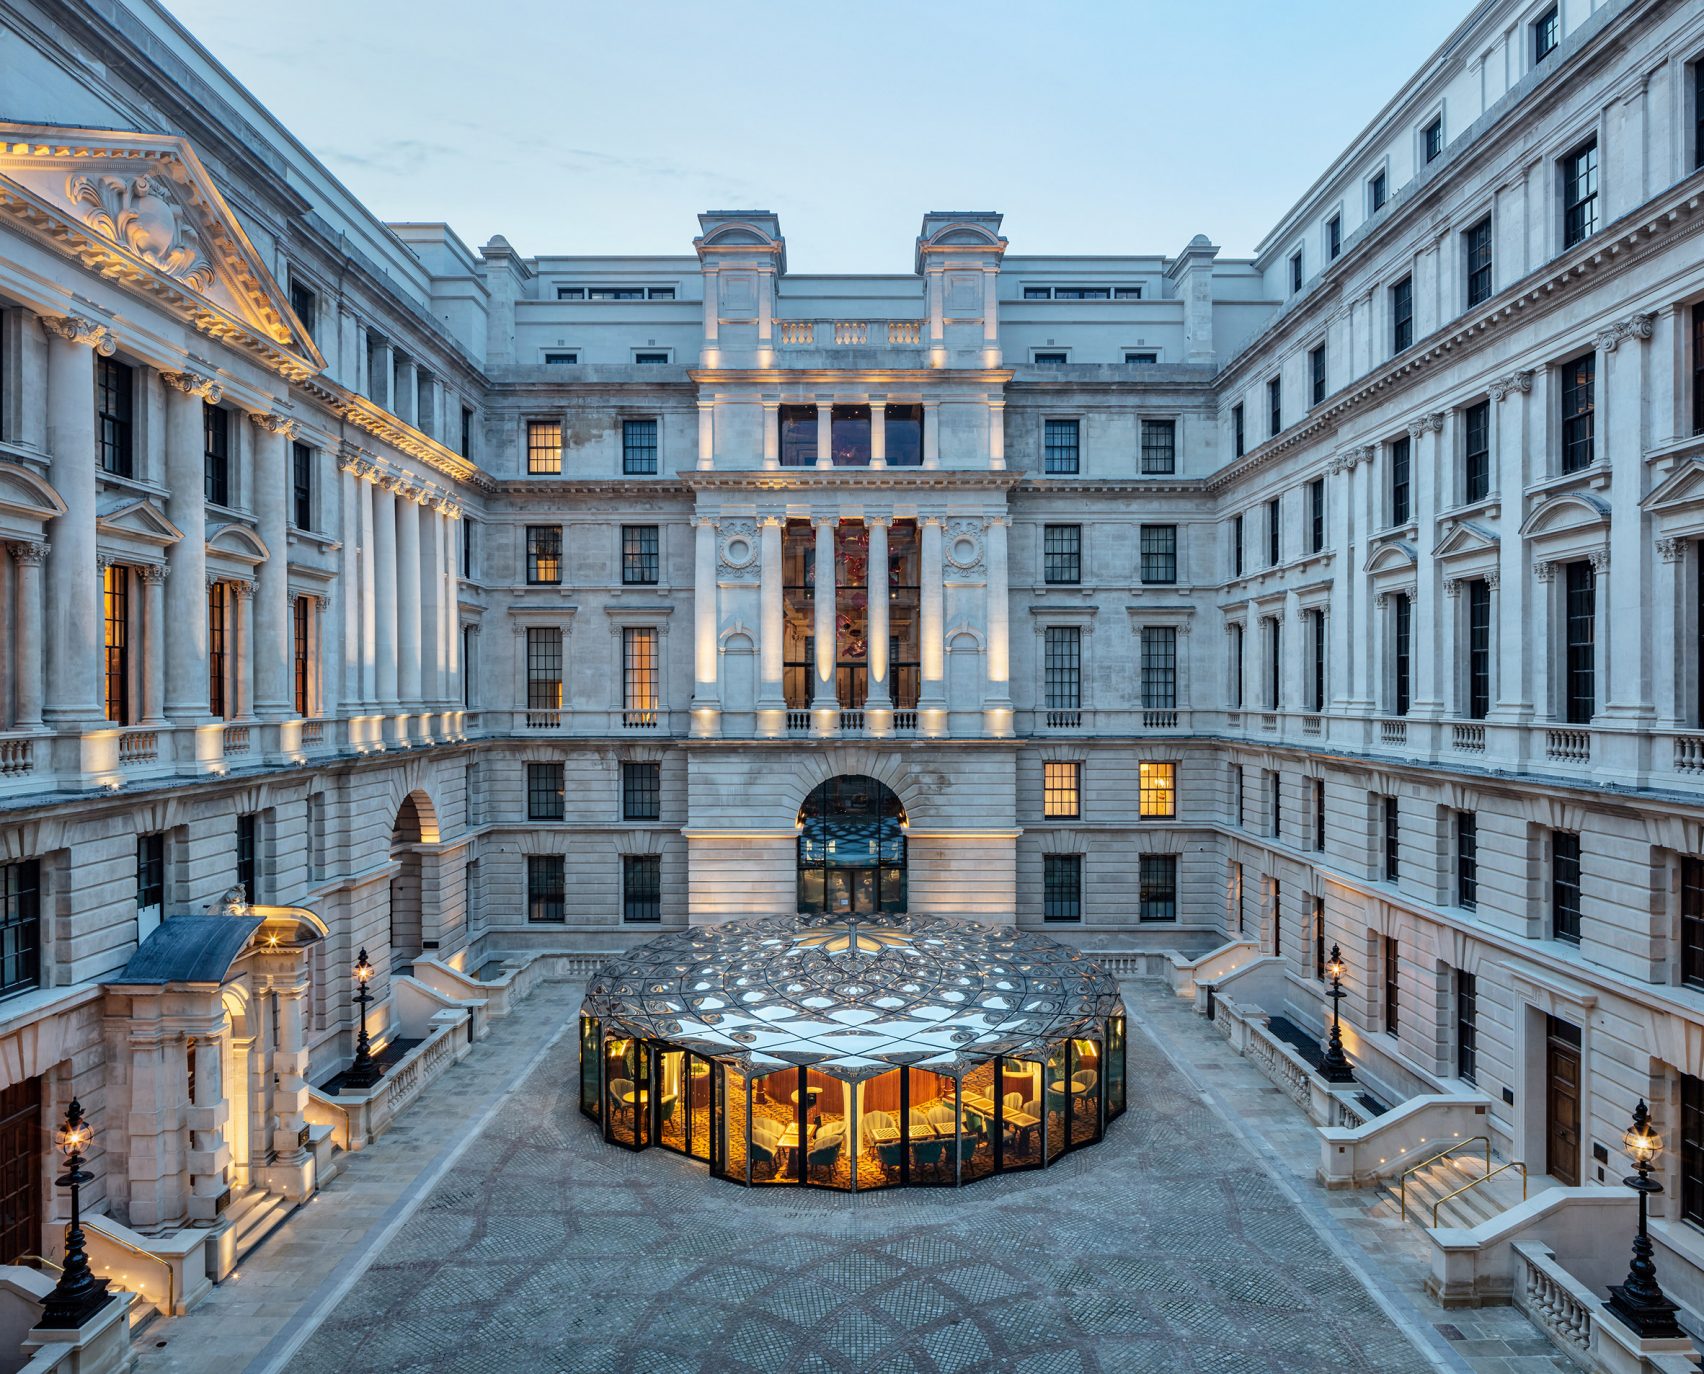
column 194, row 384
column 75, row 329
column 142, row 214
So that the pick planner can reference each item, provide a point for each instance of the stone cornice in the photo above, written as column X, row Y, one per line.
column 853, row 479
column 850, row 377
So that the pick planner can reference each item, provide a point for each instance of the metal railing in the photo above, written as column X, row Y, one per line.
column 1450, row 1149
column 165, row 1264
column 1485, row 1177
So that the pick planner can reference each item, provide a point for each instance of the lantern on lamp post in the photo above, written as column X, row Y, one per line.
column 1640, row 1302
column 79, row 1294
column 1334, row 1067
column 365, row 1071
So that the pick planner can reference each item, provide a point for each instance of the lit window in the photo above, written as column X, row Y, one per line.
column 116, row 592
column 639, row 675
column 544, row 555
column 1158, row 799
column 544, row 446
column 1060, row 790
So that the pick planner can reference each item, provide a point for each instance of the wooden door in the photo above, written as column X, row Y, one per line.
column 21, row 1145
column 1562, row 1102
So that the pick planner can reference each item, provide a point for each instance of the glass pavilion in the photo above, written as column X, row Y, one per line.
column 852, row 1053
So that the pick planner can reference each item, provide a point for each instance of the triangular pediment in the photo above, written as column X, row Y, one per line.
column 142, row 210
column 138, row 519
column 1681, row 490
column 1465, row 540
column 26, row 495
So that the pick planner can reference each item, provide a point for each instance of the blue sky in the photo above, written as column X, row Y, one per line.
column 604, row 128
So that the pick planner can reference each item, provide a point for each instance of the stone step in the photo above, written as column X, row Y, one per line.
column 256, row 1215
column 1472, row 1208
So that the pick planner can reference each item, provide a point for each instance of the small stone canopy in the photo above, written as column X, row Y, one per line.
column 201, row 949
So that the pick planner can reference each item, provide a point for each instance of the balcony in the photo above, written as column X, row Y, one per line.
column 139, row 747
column 1157, row 719
column 17, row 756
column 237, row 741
column 849, row 333
column 1568, row 746
column 1063, row 719
column 641, row 718
column 1467, row 738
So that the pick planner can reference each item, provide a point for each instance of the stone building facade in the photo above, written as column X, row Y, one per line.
column 463, row 606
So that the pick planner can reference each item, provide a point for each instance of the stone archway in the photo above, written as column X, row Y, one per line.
column 851, row 850
column 415, row 824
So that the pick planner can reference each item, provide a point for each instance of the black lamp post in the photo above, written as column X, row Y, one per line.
column 365, row 1071
column 79, row 1294
column 1640, row 1302
column 1334, row 1068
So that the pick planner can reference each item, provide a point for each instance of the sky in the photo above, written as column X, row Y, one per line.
column 573, row 127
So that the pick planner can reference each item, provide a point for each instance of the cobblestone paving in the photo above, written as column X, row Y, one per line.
column 1167, row 1247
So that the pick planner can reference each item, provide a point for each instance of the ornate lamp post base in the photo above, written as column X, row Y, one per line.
column 1334, row 1067
column 365, row 1070
column 1650, row 1318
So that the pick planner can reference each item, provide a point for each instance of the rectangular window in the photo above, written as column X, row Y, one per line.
column 115, row 401
column 1274, row 663
column 544, row 668
column 639, row 675
column 303, row 303
column 1159, row 668
column 1698, row 114
column 302, row 484
column 1580, row 195
column 1239, row 795
column 1277, row 919
column 1237, row 674
column 1059, row 790
column 1062, row 887
column 1060, row 453
column 1392, row 841
column 248, row 855
column 151, row 875
column 1692, row 1149
column 641, row 791
column 1319, row 938
column 466, row 449
column 544, row 555
column 1274, row 406
column 1319, row 814
column 1038, row 293
column 641, row 887
column 1081, row 293
column 1316, row 515
column 1476, row 243
column 1316, row 660
column 639, row 555
column 561, row 359
column 301, row 655
column 1159, row 447
column 216, row 454
column 1159, row 553
column 1062, row 665
column 1295, row 271
column 904, row 430
column 1378, row 191
column 1316, row 375
column 1139, row 358
column 1334, row 237
column 1579, row 412
column 1062, row 554
column 544, row 446
column 1236, row 546
column 1546, row 34
column 1565, row 886
column 1467, row 859
column 1478, row 649
column 1391, row 974
column 467, row 527
column 1698, row 359
column 1238, row 443
column 1157, row 800
column 1275, row 804
column 1476, row 452
column 650, row 357
column 1050, row 357
column 638, row 447
column 545, row 792
column 1402, row 315
column 1467, row 1025
column 546, row 886
column 1580, row 657
column 216, row 650
column 1692, row 922
column 115, row 589
column 1157, row 875
column 20, row 926
column 1401, row 480
column 1274, row 533
column 1432, row 139
column 1402, row 651
column 797, row 435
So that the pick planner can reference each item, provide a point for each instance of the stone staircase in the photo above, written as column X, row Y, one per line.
column 256, row 1215
column 1437, row 1181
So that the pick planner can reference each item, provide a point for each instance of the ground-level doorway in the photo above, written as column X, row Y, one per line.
column 1562, row 1101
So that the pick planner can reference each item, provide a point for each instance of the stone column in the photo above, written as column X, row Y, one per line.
column 154, row 638
column 27, row 627
column 209, row 1155
column 771, row 627
column 272, row 435
column 932, row 630
column 432, row 609
column 997, row 435
column 706, row 435
column 1517, row 602
column 771, row 433
column 706, row 696
column 997, row 704
column 825, row 431
column 73, row 633
column 878, row 431
column 824, row 707
column 349, row 575
column 878, row 701
column 405, row 405
column 408, row 598
column 1628, row 682
column 244, row 651
column 290, row 1069
column 186, row 507
column 1343, row 580
column 383, row 602
column 1427, row 640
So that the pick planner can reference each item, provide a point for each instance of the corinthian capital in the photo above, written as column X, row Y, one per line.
column 194, row 384
column 283, row 425
column 75, row 329
column 28, row 551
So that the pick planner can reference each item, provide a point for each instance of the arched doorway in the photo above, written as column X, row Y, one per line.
column 406, row 928
column 236, row 1046
column 852, row 848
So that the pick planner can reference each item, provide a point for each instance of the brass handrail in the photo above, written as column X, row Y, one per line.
column 1402, row 1181
column 42, row 1260
column 160, row 1260
column 1483, row 1178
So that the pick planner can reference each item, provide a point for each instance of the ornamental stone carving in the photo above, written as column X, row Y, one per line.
column 1545, row 571
column 1426, row 424
column 738, row 547
column 963, row 547
column 1350, row 458
column 283, row 425
column 243, row 588
column 29, row 551
column 1671, row 550
column 75, row 329
column 143, row 215
column 194, row 384
column 1599, row 559
column 1636, row 326
column 1516, row 383
column 153, row 572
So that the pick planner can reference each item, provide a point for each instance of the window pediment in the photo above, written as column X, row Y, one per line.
column 1568, row 515
column 1677, row 504
column 1467, row 549
column 26, row 499
column 235, row 543
column 137, row 522
column 1392, row 558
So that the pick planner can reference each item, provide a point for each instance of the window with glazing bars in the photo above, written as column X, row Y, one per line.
column 544, row 555
column 1060, row 790
column 1059, row 451
column 1467, row 859
column 1274, row 663
column 301, row 626
column 1274, row 533
column 1239, row 795
column 638, row 447
column 641, row 887
column 1402, row 315
column 20, row 926
column 1692, row 922
column 1478, row 649
column 1159, row 667
column 641, row 791
column 1476, row 452
column 1316, row 375
column 150, row 872
column 1378, row 191
column 1402, row 652
column 1236, row 546
column 544, row 446
column 639, row 672
column 1062, row 667
column 1062, row 887
column 1692, row 1149
column 1159, row 553
column 546, row 886
column 1432, row 139
column 1565, row 886
column 545, row 792
column 1580, row 658
column 248, row 854
column 116, row 600
column 116, row 405
column 1157, row 790
column 1159, row 446
column 302, row 485
column 1546, row 33
column 216, row 650
column 544, row 668
column 1580, row 195
column 1316, row 515
column 216, row 454
column 1401, row 480
column 1392, row 840
column 1698, row 361
column 1319, row 814
column 1467, row 1025
column 1062, row 554
column 1392, row 968
column 1237, row 438
column 1476, row 245
column 1157, row 875
column 1238, row 676
column 639, row 555
column 1334, row 237
column 1274, row 406
column 1296, row 271
column 1316, row 655
column 1579, row 412
column 1319, row 938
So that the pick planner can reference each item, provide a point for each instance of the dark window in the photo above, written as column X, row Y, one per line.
column 1316, row 515
column 1698, row 360
column 466, row 547
column 301, row 651
column 1275, row 798
column 1580, row 612
column 1274, row 663
column 466, row 448
column 20, row 926
column 1050, row 358
column 1402, row 315
column 1467, row 1025
column 1467, row 859
column 561, row 359
column 1432, row 139
column 1062, row 554
column 302, row 485
column 798, row 435
column 1316, row 375
column 1402, row 650
column 216, row 426
column 1274, row 406
column 641, row 791
column 1546, row 34
column 902, row 427
column 1319, row 814
column 1334, row 237
column 1159, row 446
column 1274, row 534
column 1240, row 794
column 1140, row 359
column 1159, row 553
column 544, row 555
column 1295, row 272
column 116, row 404
column 570, row 293
column 1392, row 841
column 546, row 885
column 1319, row 938
column 1081, row 293
column 1062, row 887
column 150, row 872
column 1038, row 293
column 641, row 887
column 1698, row 114
column 1316, row 646
column 116, row 600
column 849, row 436
column 1392, row 969
column 638, row 447
column 1237, row 439
column 1277, row 920
column 304, row 303
column 1158, row 895
column 639, row 555
column 1692, row 1149
column 1579, row 412
column 1565, row 886
column 1236, row 667
column 650, row 358
column 1477, row 243
column 1401, row 480
column 248, row 855
column 1580, row 195
column 1377, row 192
column 1062, row 664
column 1159, row 668
column 216, row 650
column 1127, row 293
column 1236, row 546
column 1692, row 922
column 661, row 293
column 545, row 801
column 1059, row 446
column 544, row 668
column 1478, row 649
column 1476, row 454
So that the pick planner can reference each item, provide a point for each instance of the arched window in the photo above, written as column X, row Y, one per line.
column 851, row 848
